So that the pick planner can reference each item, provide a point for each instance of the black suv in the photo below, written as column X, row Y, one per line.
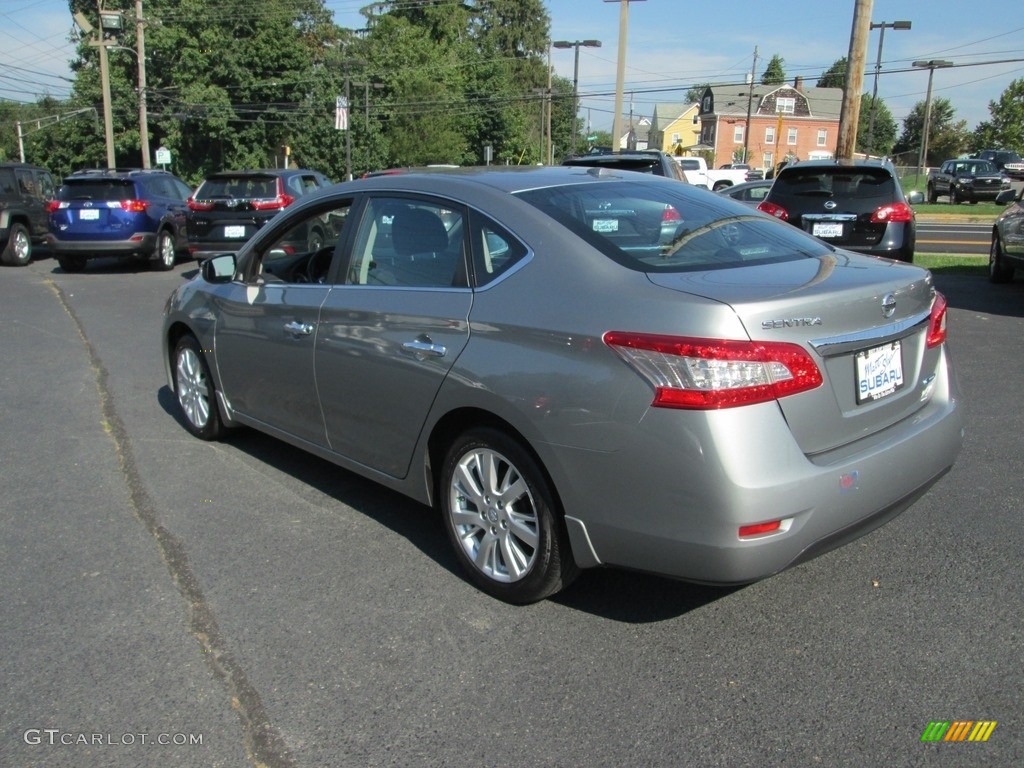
column 1007, row 161
column 230, row 207
column 24, row 193
column 650, row 161
column 127, row 212
column 858, row 205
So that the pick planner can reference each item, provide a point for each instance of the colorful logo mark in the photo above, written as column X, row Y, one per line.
column 958, row 730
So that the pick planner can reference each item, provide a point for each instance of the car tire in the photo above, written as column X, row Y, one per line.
column 954, row 198
column 18, row 251
column 502, row 518
column 72, row 263
column 998, row 270
column 164, row 255
column 195, row 391
column 933, row 196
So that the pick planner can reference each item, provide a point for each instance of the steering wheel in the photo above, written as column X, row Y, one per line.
column 319, row 264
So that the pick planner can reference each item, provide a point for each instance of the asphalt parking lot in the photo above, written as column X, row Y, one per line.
column 170, row 602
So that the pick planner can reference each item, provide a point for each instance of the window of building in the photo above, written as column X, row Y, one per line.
column 785, row 104
column 769, row 135
column 675, row 138
column 769, row 160
column 737, row 134
column 791, row 136
column 822, row 137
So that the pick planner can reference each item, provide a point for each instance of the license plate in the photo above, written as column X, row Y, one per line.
column 879, row 372
column 89, row 214
column 606, row 225
column 827, row 230
column 234, row 231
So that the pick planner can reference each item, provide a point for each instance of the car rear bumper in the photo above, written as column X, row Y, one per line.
column 139, row 244
column 691, row 530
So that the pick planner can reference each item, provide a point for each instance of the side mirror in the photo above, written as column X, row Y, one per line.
column 219, row 269
column 915, row 197
column 1006, row 197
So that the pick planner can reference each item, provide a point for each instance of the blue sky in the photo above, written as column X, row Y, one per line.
column 671, row 44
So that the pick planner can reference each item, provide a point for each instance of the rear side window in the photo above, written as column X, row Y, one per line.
column 8, row 185
column 96, row 189
column 670, row 227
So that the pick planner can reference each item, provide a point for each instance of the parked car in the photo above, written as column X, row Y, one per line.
column 696, row 171
column 749, row 192
column 1007, row 252
column 572, row 388
column 965, row 180
column 1007, row 161
column 123, row 212
column 858, row 205
column 649, row 161
column 25, row 191
column 230, row 207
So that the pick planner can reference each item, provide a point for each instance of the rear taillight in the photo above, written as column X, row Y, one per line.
column 898, row 212
column 670, row 215
column 200, row 205
column 937, row 321
column 276, row 203
column 708, row 374
column 773, row 210
column 135, row 206
column 55, row 205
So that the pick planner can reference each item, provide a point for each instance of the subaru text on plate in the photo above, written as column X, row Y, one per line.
column 571, row 381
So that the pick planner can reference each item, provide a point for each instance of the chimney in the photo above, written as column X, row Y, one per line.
column 798, row 83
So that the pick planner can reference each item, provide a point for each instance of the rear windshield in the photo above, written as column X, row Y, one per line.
column 238, row 187
column 866, row 184
column 671, row 227
column 96, row 189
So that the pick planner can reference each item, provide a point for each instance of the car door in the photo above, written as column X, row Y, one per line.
column 45, row 192
column 392, row 327
column 1011, row 229
column 268, row 324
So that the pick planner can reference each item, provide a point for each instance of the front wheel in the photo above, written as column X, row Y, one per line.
column 933, row 196
column 18, row 251
column 196, row 392
column 954, row 198
column 501, row 517
column 998, row 270
column 164, row 255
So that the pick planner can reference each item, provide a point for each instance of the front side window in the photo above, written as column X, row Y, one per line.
column 409, row 243
column 303, row 252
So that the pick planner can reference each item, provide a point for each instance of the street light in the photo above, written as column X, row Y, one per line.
column 931, row 66
column 576, row 77
column 882, row 25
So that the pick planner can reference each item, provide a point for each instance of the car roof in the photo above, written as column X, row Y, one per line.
column 260, row 172
column 114, row 173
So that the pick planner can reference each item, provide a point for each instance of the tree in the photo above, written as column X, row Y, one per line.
column 834, row 76
column 1006, row 126
column 884, row 136
column 696, row 93
column 946, row 138
column 774, row 74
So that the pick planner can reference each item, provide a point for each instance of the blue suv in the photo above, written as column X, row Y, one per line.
column 119, row 212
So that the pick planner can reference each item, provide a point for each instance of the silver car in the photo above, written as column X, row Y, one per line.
column 580, row 367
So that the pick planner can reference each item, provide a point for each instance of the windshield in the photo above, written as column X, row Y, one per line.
column 238, row 187
column 671, row 227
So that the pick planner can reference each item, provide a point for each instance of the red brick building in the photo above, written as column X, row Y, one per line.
column 786, row 122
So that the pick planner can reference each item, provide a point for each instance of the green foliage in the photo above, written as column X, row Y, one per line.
column 946, row 137
column 883, row 138
column 774, row 74
column 1005, row 129
column 834, row 76
column 696, row 93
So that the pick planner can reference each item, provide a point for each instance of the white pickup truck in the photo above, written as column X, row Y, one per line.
column 696, row 171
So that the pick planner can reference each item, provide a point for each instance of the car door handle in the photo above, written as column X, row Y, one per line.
column 295, row 328
column 423, row 348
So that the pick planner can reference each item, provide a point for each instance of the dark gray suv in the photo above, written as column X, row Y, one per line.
column 858, row 205
column 650, row 161
column 24, row 193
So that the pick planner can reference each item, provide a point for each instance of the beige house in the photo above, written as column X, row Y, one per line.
column 675, row 128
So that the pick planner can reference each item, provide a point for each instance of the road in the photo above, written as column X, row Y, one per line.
column 963, row 239
column 289, row 614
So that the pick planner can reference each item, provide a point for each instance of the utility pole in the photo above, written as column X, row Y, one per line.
column 849, row 115
column 143, row 115
column 620, row 75
column 108, row 113
column 750, row 99
column 926, row 126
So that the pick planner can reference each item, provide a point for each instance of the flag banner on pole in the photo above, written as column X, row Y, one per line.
column 341, row 114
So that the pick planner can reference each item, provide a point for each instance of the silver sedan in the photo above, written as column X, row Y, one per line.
column 580, row 368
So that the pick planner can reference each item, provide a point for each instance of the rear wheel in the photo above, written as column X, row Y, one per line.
column 933, row 196
column 501, row 517
column 164, row 255
column 998, row 270
column 195, row 390
column 18, row 251
column 72, row 263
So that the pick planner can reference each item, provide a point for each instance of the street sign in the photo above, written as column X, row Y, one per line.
column 163, row 156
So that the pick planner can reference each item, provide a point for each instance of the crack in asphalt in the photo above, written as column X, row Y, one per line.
column 263, row 744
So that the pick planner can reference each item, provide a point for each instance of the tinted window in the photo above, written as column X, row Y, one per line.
column 239, row 187
column 8, row 185
column 658, row 228
column 495, row 250
column 97, row 189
